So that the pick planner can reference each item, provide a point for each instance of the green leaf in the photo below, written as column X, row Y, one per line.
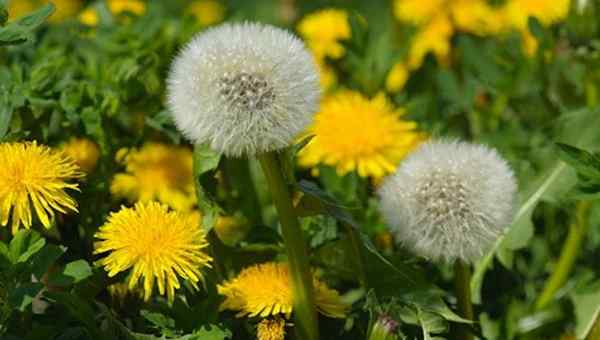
column 206, row 162
column 21, row 30
column 6, row 112
column 79, row 309
column 327, row 205
column 581, row 127
column 164, row 324
column 585, row 163
column 586, row 301
column 21, row 297
column 24, row 244
column 212, row 332
column 73, row 272
column 45, row 258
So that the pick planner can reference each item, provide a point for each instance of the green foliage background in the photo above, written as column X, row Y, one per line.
column 63, row 80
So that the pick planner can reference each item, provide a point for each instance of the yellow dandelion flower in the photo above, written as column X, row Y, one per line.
column 271, row 329
column 136, row 7
column 477, row 17
column 397, row 77
column 19, row 8
column 34, row 177
column 352, row 132
column 547, row 12
column 89, row 17
column 417, row 11
column 265, row 289
column 323, row 30
column 65, row 9
column 157, row 244
column 84, row 152
column 157, row 172
column 433, row 37
column 207, row 12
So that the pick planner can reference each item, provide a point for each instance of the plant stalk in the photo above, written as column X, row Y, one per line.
column 301, row 276
column 462, row 287
column 568, row 255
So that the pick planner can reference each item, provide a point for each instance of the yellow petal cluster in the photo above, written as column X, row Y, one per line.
column 34, row 178
column 158, row 245
column 356, row 133
column 84, row 152
column 265, row 290
column 159, row 172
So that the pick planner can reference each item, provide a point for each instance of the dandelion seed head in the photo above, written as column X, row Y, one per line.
column 449, row 200
column 244, row 88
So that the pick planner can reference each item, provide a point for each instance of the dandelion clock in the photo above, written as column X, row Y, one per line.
column 449, row 200
column 245, row 89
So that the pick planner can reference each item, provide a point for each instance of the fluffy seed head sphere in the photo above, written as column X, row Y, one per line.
column 449, row 200
column 243, row 88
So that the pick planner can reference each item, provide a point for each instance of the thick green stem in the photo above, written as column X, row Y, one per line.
column 301, row 276
column 567, row 257
column 462, row 288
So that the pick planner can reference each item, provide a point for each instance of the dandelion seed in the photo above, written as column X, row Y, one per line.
column 449, row 200
column 265, row 290
column 158, row 244
column 34, row 178
column 244, row 88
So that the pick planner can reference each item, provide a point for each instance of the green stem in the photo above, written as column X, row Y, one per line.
column 568, row 255
column 302, row 282
column 462, row 287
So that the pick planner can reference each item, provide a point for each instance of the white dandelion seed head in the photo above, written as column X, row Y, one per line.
column 244, row 88
column 449, row 200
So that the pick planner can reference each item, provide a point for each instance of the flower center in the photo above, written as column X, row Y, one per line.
column 443, row 195
column 246, row 92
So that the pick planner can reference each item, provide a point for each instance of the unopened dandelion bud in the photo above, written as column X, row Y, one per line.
column 384, row 329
